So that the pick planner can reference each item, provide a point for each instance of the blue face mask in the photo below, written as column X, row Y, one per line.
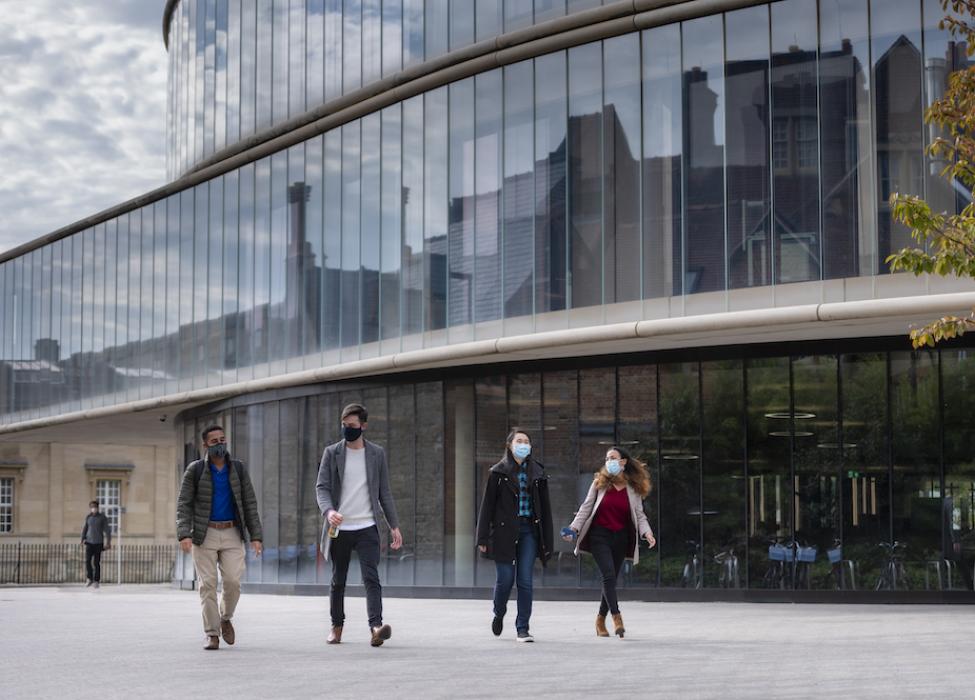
column 521, row 450
column 613, row 467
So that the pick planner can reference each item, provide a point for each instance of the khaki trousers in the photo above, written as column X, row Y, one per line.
column 221, row 549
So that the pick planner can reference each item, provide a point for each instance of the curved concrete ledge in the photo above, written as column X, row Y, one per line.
column 502, row 349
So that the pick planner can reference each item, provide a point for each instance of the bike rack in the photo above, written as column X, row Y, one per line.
column 939, row 566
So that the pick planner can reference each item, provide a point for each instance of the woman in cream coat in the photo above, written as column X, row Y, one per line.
column 609, row 524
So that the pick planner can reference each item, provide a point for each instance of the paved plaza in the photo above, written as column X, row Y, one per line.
column 145, row 642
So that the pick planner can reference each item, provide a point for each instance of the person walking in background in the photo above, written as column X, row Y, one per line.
column 609, row 524
column 216, row 512
column 353, row 489
column 96, row 537
column 514, row 527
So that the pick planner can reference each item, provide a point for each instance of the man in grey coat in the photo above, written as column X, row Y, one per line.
column 353, row 489
column 96, row 537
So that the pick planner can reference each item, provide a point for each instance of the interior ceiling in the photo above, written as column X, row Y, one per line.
column 156, row 426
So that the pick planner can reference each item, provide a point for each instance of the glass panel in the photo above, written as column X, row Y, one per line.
column 679, row 488
column 849, row 246
column 212, row 328
column 958, row 398
column 770, row 486
column 232, row 259
column 279, row 62
column 747, row 154
column 154, row 287
column 283, row 330
column 248, row 68
column 245, row 280
column 662, row 147
column 435, row 212
column 488, row 20
column 916, row 487
column 896, row 50
column 350, row 235
column 579, row 5
column 220, row 78
column 265, row 75
column 372, row 40
column 489, row 409
column 305, row 210
column 333, row 49
column 461, row 222
column 637, row 432
column 392, row 38
column 597, row 433
column 461, row 23
column 412, row 32
column 235, row 89
column 352, row 45
column 546, row 9
column 99, row 301
column 436, row 28
column 371, row 220
column 487, row 191
column 517, row 15
column 551, row 119
column 263, row 246
column 519, row 190
column 199, row 99
column 585, row 174
column 704, row 132
column 296, row 49
column 621, row 169
column 795, row 144
column 332, row 259
column 430, row 507
column 197, row 332
column 127, row 263
column 315, row 50
column 818, row 457
column 559, row 443
column 401, row 453
column 866, row 482
column 412, row 216
column 171, row 355
column 460, row 438
column 392, row 250
column 209, row 77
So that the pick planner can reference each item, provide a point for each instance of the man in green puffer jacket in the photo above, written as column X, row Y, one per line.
column 216, row 512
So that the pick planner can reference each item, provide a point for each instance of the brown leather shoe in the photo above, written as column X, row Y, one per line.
column 618, row 624
column 212, row 643
column 601, row 630
column 334, row 636
column 227, row 631
column 380, row 635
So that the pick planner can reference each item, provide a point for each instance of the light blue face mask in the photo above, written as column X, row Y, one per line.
column 521, row 450
column 613, row 467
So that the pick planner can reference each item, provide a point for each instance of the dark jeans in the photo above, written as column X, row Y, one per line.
column 609, row 550
column 526, row 551
column 93, row 561
column 365, row 543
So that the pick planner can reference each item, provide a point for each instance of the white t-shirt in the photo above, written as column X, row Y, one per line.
column 356, row 506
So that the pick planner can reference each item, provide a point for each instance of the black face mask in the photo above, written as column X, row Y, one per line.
column 218, row 451
column 351, row 434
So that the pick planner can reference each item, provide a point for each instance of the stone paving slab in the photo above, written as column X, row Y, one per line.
column 145, row 642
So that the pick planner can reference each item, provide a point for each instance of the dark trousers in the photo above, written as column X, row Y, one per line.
column 93, row 561
column 609, row 550
column 364, row 543
column 526, row 551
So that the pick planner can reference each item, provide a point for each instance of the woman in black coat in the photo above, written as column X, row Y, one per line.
column 515, row 527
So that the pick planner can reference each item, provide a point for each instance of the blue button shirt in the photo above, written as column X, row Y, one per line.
column 222, row 505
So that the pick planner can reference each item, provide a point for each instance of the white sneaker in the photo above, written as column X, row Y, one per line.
column 525, row 637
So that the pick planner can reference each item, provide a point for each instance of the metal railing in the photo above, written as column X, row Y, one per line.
column 65, row 563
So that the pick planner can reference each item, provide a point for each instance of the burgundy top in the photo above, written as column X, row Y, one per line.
column 614, row 510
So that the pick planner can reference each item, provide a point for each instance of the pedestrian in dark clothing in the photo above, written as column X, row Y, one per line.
column 514, row 527
column 96, row 537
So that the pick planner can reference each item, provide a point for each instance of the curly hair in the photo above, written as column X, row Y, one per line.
column 635, row 472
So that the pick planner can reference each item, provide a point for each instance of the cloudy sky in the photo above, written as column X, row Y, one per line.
column 82, row 110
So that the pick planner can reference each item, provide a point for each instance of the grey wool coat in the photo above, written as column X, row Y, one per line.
column 329, row 487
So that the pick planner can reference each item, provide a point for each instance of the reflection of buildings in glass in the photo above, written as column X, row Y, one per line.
column 303, row 278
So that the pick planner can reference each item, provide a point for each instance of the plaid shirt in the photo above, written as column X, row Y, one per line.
column 524, row 498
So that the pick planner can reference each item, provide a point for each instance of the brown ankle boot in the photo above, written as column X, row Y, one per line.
column 618, row 624
column 601, row 630
column 334, row 636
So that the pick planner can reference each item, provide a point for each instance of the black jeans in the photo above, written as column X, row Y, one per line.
column 365, row 543
column 93, row 561
column 609, row 550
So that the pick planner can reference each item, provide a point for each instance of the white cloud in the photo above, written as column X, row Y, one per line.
column 82, row 110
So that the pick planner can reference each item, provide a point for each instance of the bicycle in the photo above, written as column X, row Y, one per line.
column 777, row 573
column 893, row 570
column 727, row 562
column 692, row 575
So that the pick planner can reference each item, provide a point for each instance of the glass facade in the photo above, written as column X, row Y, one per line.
column 640, row 167
column 814, row 455
column 236, row 68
